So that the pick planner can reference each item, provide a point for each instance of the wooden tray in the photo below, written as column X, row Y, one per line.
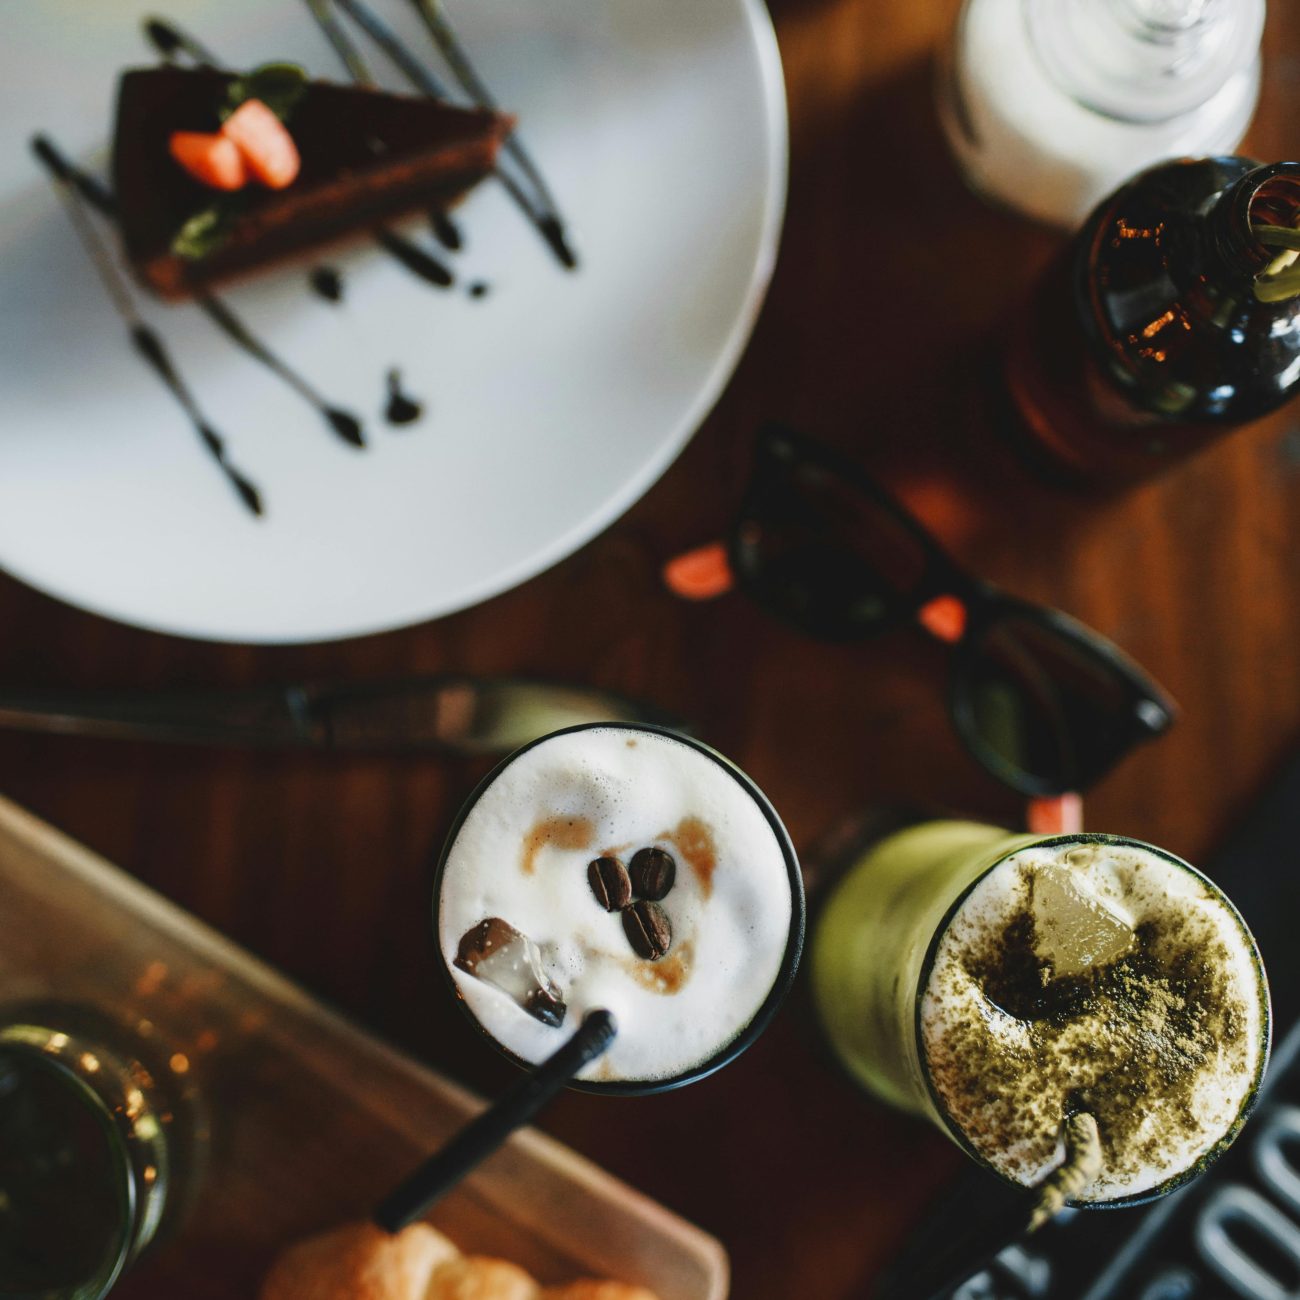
column 312, row 1119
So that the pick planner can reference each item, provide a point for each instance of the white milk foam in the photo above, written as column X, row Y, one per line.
column 637, row 789
column 1005, row 1080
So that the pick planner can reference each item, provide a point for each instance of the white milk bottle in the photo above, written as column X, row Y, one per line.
column 1051, row 104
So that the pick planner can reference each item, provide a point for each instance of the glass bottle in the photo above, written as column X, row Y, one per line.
column 101, row 1138
column 1050, row 104
column 1164, row 323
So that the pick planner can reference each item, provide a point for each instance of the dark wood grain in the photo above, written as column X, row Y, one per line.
column 880, row 335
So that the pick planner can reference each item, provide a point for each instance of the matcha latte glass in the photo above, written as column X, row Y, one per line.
column 999, row 983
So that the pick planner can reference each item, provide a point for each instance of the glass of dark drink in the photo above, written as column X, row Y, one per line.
column 97, row 1149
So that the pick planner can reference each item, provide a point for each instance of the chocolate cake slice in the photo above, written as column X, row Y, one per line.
column 367, row 157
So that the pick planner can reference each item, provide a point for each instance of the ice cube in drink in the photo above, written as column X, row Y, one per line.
column 1075, row 929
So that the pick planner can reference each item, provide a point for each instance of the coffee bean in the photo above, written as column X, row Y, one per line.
column 609, row 881
column 653, row 873
column 647, row 929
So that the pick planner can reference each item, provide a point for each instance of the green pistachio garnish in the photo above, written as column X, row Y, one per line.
column 203, row 233
column 278, row 85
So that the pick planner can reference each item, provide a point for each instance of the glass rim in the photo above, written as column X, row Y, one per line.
column 781, row 985
column 78, row 1081
column 1207, row 1157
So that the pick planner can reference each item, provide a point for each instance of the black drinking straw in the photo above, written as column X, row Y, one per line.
column 487, row 1132
column 938, row 1273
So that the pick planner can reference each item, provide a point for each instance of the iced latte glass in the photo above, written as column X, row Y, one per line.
column 624, row 868
column 999, row 983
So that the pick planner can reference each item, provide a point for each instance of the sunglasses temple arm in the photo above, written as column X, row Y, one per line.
column 1059, row 814
column 702, row 574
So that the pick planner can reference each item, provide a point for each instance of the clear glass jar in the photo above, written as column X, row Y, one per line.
column 1049, row 105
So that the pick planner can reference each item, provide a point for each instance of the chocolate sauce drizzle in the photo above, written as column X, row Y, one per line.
column 401, row 408
column 342, row 422
column 95, row 192
column 170, row 41
column 539, row 207
column 150, row 346
column 549, row 222
column 341, row 43
column 445, row 230
column 90, row 188
column 79, row 191
column 415, row 259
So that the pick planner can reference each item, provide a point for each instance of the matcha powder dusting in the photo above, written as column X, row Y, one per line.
column 1136, row 997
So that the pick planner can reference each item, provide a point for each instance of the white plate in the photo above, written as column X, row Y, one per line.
column 553, row 403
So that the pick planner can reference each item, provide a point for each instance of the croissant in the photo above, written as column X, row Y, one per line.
column 592, row 1289
column 362, row 1262
column 474, row 1277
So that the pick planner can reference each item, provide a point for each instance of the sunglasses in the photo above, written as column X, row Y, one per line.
column 1043, row 703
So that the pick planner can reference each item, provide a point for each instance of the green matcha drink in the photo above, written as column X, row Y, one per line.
column 999, row 983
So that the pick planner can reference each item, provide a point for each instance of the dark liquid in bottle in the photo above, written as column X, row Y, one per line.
column 1144, row 340
column 64, row 1213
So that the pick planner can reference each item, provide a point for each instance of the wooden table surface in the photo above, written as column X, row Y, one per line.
column 880, row 335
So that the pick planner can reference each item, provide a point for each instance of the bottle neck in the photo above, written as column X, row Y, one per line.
column 1266, row 196
column 1144, row 61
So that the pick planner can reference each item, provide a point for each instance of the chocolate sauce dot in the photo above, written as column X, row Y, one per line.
column 327, row 283
column 401, row 409
column 479, row 289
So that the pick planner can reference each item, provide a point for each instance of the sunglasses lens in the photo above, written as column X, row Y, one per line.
column 825, row 555
column 1042, row 708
